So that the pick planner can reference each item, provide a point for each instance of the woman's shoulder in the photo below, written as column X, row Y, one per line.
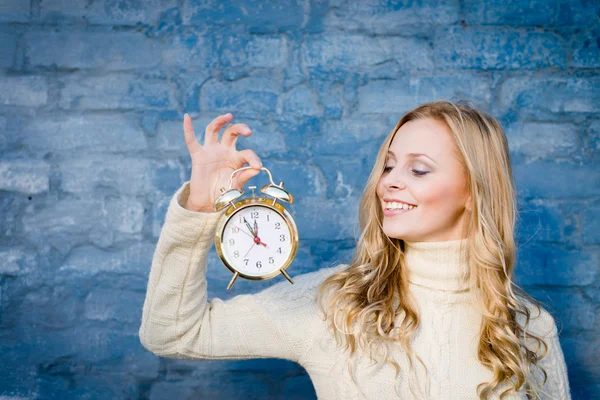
column 541, row 321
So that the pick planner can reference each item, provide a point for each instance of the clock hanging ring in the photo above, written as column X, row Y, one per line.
column 256, row 237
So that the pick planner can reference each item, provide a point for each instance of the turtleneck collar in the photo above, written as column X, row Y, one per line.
column 438, row 265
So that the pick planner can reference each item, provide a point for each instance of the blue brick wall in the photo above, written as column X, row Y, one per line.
column 92, row 95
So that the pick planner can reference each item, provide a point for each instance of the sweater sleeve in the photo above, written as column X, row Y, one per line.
column 557, row 383
column 179, row 322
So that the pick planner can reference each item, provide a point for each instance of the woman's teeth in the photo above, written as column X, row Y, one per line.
column 395, row 206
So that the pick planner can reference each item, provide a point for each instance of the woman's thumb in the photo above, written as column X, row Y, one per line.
column 245, row 176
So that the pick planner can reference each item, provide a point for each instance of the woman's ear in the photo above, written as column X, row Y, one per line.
column 468, row 206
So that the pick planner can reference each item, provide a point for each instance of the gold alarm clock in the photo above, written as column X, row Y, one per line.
column 256, row 237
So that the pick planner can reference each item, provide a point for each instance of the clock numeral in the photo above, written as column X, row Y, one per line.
column 282, row 238
column 271, row 260
column 279, row 250
column 236, row 254
column 258, row 264
column 268, row 218
column 231, row 242
column 235, row 229
column 277, row 225
column 246, row 260
column 254, row 214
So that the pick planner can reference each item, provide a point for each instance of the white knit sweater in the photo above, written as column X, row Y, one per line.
column 284, row 321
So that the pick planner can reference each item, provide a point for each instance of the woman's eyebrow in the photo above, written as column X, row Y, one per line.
column 412, row 155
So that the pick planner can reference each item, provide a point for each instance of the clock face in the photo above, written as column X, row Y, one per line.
column 256, row 241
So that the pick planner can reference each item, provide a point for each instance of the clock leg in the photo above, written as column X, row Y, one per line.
column 287, row 276
column 232, row 280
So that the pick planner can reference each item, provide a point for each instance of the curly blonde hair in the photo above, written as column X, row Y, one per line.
column 362, row 300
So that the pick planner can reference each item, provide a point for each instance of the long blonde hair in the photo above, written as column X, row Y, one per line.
column 362, row 301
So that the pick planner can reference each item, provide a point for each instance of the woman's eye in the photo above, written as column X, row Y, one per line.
column 419, row 173
column 387, row 169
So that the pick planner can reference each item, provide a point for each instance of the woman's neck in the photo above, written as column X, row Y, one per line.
column 438, row 265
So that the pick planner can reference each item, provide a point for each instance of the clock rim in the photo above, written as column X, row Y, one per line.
column 261, row 202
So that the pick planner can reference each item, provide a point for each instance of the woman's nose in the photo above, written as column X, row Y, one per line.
column 394, row 181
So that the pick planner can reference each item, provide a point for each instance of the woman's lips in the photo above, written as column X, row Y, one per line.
column 398, row 211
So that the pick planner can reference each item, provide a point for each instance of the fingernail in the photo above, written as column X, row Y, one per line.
column 186, row 114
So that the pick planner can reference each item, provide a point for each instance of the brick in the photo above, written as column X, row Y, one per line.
column 578, row 12
column 250, row 96
column 15, row 11
column 547, row 97
column 24, row 176
column 8, row 47
column 546, row 223
column 351, row 135
column 125, row 214
column 329, row 219
column 265, row 139
column 298, row 178
column 593, row 139
column 590, row 221
column 357, row 52
column 543, row 139
column 386, row 97
column 63, row 224
column 557, row 267
column 128, row 176
column 400, row 96
column 299, row 387
column 253, row 51
column 347, row 179
column 88, row 260
column 108, row 12
column 190, row 48
column 92, row 50
column 581, row 353
column 348, row 52
column 518, row 13
column 30, row 91
column 15, row 261
column 585, row 50
column 262, row 17
column 383, row 17
column 116, row 92
column 410, row 54
column 92, row 133
column 480, row 48
column 571, row 311
column 300, row 100
column 111, row 304
column 567, row 179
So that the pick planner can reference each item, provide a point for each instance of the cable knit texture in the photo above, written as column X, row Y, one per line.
column 284, row 320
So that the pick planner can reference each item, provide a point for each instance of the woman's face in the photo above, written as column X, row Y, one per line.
column 434, row 182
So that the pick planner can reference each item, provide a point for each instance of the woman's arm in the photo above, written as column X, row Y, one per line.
column 179, row 322
column 557, row 383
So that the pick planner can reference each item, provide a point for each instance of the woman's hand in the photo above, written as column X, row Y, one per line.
column 214, row 162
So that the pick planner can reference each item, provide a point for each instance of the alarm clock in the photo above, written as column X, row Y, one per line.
column 256, row 237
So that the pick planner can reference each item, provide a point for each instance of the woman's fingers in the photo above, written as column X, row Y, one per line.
column 189, row 135
column 244, row 177
column 249, row 157
column 231, row 133
column 211, row 134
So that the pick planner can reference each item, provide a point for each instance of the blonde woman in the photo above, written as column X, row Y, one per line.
column 427, row 307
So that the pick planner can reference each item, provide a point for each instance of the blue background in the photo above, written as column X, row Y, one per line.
column 92, row 95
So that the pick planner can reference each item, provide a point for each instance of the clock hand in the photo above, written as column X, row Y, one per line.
column 249, row 227
column 243, row 231
column 249, row 250
column 255, row 228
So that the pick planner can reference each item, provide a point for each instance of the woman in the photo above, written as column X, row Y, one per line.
column 426, row 308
